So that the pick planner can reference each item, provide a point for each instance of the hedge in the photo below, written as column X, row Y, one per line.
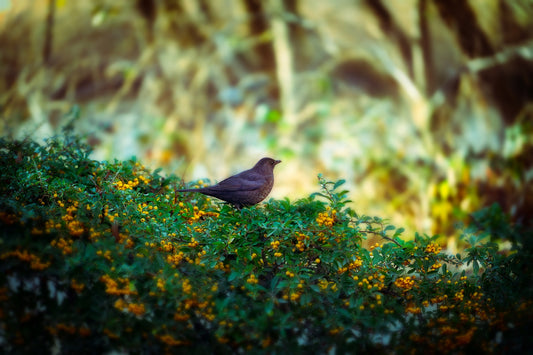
column 106, row 256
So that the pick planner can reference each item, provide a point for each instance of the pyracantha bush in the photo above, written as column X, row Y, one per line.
column 105, row 256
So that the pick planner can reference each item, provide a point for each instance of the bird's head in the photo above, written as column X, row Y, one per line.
column 266, row 164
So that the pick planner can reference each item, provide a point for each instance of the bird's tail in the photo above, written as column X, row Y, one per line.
column 187, row 190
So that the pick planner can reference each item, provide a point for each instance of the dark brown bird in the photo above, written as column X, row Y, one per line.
column 246, row 188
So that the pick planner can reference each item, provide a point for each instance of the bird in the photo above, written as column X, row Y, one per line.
column 246, row 188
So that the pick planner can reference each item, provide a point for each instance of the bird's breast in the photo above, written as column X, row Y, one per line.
column 265, row 190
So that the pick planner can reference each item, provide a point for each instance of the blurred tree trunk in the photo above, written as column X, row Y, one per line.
column 258, row 26
column 283, row 52
column 505, row 78
column 513, row 32
column 427, row 49
column 49, row 33
column 462, row 22
column 148, row 10
column 393, row 31
column 205, row 9
column 301, row 39
column 186, row 30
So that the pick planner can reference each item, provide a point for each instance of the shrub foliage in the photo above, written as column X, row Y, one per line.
column 106, row 256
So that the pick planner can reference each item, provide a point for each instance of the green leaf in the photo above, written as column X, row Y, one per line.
column 475, row 266
column 339, row 183
column 234, row 275
column 318, row 194
column 315, row 288
column 399, row 231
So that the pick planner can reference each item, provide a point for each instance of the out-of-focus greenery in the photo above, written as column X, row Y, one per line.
column 102, row 257
column 424, row 107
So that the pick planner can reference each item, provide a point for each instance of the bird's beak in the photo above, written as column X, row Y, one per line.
column 277, row 162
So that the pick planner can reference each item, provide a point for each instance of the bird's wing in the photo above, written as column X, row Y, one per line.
column 245, row 181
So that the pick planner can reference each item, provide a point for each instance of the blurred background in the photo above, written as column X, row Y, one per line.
column 425, row 107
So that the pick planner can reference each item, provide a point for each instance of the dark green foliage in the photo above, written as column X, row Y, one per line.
column 98, row 256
